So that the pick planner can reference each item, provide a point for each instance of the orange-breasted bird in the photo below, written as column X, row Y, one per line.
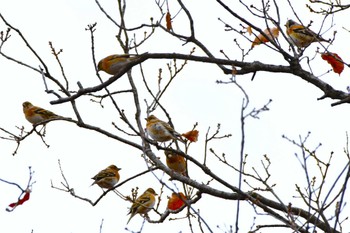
column 143, row 204
column 35, row 114
column 176, row 162
column 160, row 130
column 300, row 35
column 107, row 178
column 112, row 64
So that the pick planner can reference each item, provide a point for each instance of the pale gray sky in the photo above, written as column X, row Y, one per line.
column 193, row 97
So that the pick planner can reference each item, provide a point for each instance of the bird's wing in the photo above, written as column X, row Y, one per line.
column 44, row 113
column 103, row 174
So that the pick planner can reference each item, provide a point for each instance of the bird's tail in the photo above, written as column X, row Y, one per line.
column 132, row 215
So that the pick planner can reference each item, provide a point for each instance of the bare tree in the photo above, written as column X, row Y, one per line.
column 322, row 206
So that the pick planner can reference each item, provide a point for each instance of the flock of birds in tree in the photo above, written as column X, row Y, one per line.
column 160, row 131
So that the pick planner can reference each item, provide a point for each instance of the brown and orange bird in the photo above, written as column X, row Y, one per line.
column 107, row 178
column 301, row 36
column 112, row 64
column 176, row 163
column 160, row 130
column 143, row 204
column 36, row 115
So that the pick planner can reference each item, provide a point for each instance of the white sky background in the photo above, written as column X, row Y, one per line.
column 193, row 97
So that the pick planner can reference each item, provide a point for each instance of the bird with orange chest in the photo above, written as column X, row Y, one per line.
column 143, row 204
column 113, row 63
column 176, row 163
column 36, row 115
column 107, row 178
column 300, row 35
column 160, row 130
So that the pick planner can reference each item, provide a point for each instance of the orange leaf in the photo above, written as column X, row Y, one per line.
column 272, row 33
column 335, row 61
column 192, row 135
column 175, row 202
column 168, row 21
column 21, row 201
column 249, row 30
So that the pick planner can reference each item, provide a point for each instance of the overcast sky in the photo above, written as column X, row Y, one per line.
column 193, row 97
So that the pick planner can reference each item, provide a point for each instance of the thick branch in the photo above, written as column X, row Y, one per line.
column 245, row 68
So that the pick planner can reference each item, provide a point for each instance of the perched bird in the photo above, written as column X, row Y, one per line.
column 35, row 114
column 143, row 204
column 301, row 36
column 160, row 130
column 113, row 63
column 176, row 162
column 107, row 178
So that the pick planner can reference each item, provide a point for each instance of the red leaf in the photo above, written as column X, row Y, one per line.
column 335, row 61
column 175, row 202
column 21, row 201
column 270, row 32
column 168, row 21
column 192, row 135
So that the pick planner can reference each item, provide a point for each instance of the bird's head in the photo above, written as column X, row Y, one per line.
column 113, row 167
column 150, row 118
column 27, row 104
column 151, row 190
column 290, row 23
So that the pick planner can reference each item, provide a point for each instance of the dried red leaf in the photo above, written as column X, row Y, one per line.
column 335, row 61
column 270, row 32
column 168, row 21
column 175, row 202
column 22, row 200
column 192, row 135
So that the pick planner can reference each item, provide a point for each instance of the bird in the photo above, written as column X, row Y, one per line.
column 176, row 162
column 113, row 63
column 36, row 115
column 107, row 178
column 143, row 204
column 301, row 36
column 160, row 130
